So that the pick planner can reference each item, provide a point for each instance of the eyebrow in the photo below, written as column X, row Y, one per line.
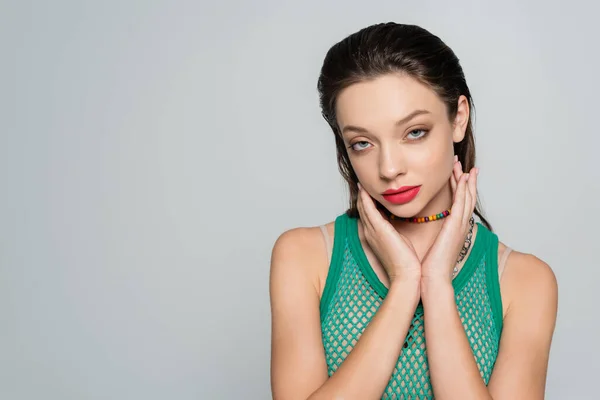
column 358, row 129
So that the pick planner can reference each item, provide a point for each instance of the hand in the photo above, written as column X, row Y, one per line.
column 443, row 254
column 395, row 252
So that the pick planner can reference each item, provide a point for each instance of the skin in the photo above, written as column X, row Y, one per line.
column 413, row 260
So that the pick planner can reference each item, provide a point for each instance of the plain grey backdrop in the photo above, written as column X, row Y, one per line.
column 152, row 151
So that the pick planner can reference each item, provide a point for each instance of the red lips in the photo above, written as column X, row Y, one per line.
column 399, row 190
column 402, row 195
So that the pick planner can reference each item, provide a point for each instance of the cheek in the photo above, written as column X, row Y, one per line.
column 363, row 168
column 434, row 162
column 431, row 158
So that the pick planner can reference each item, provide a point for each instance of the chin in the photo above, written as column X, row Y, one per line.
column 408, row 210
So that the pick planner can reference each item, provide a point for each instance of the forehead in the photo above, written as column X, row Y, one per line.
column 382, row 101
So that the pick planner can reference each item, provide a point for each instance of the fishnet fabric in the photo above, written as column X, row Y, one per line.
column 354, row 304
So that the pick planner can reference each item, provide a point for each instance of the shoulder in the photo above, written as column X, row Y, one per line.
column 528, row 327
column 300, row 254
column 528, row 281
column 301, row 242
column 297, row 359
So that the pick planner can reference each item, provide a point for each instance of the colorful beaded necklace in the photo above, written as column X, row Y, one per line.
column 419, row 220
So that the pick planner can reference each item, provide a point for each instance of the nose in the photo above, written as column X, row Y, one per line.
column 391, row 163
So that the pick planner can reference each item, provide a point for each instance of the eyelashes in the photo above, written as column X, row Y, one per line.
column 413, row 136
column 425, row 132
column 353, row 146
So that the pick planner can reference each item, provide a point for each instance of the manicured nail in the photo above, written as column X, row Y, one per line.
column 477, row 171
column 359, row 187
column 455, row 158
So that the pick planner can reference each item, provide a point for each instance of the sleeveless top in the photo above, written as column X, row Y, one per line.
column 353, row 293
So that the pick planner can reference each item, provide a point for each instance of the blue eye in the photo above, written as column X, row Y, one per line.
column 359, row 149
column 420, row 133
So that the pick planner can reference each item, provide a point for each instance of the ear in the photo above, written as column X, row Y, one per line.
column 461, row 120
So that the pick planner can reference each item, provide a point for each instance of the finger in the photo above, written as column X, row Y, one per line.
column 468, row 200
column 459, row 202
column 374, row 215
column 458, row 171
column 473, row 186
column 453, row 184
column 472, row 190
column 382, row 213
column 360, row 204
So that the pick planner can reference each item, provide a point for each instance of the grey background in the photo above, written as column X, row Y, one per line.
column 152, row 151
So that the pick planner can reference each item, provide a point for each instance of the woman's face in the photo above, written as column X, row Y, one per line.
column 397, row 133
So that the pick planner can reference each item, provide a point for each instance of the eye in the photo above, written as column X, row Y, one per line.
column 360, row 148
column 417, row 134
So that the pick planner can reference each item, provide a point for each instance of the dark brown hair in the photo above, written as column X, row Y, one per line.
column 394, row 48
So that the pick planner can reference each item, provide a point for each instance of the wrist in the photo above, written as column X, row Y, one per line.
column 436, row 276
column 405, row 281
column 407, row 288
column 435, row 285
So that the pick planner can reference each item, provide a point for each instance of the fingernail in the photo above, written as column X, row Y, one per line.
column 359, row 187
column 455, row 158
column 477, row 171
column 467, row 178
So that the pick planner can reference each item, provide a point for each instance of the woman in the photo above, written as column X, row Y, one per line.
column 353, row 300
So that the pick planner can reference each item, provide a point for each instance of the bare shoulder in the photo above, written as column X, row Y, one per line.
column 528, row 280
column 531, row 290
column 298, row 365
column 300, row 253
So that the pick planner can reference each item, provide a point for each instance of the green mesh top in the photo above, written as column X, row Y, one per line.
column 353, row 293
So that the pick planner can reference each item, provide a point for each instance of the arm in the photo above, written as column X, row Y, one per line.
column 521, row 365
column 298, row 368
